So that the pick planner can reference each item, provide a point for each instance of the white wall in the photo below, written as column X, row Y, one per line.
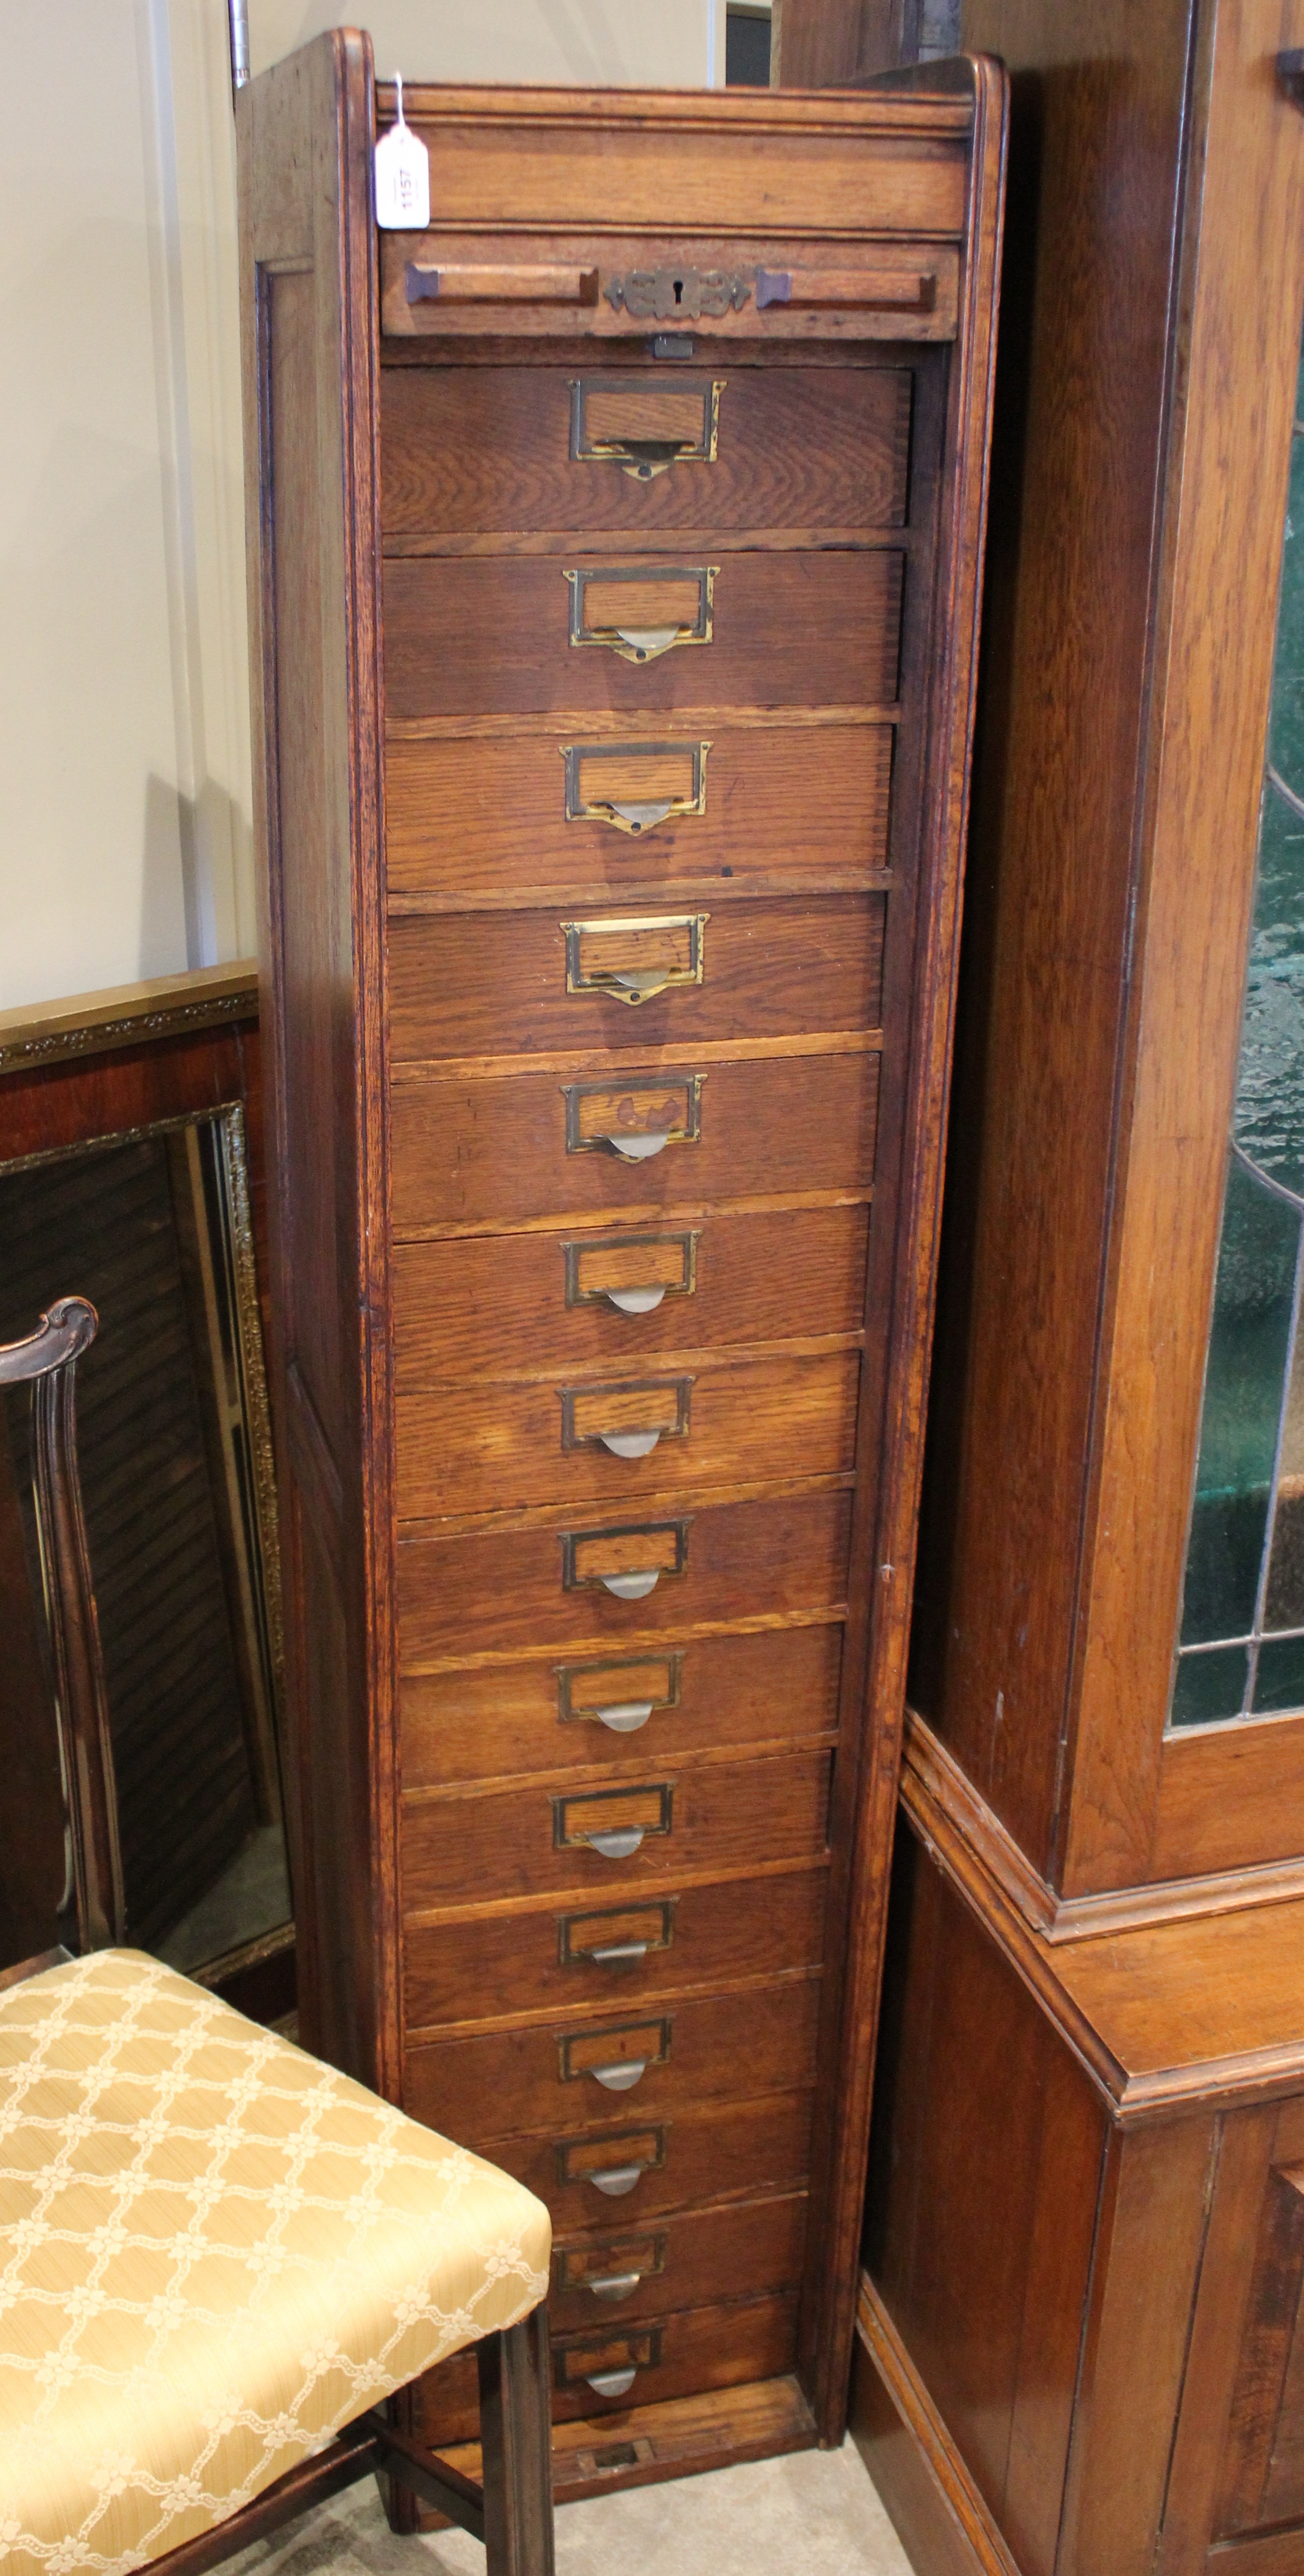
column 124, row 734
column 655, row 44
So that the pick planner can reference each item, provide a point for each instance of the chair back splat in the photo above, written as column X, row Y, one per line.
column 92, row 1914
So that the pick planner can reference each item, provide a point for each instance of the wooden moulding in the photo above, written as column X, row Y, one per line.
column 919, row 2473
column 163, row 1006
column 1162, row 2014
column 1080, row 1918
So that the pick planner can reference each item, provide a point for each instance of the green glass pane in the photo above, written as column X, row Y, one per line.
column 1280, row 1680
column 1286, row 724
column 1244, row 1387
column 1269, row 1116
column 1210, row 1686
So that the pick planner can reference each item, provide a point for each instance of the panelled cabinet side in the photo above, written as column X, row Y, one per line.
column 309, row 363
column 885, row 1558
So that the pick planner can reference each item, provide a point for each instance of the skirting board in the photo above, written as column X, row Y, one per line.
column 942, row 2520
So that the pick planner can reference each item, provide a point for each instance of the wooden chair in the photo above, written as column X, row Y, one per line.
column 218, row 2258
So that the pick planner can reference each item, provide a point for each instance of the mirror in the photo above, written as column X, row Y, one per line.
column 177, row 1487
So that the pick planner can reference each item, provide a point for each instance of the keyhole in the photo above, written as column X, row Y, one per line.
column 679, row 290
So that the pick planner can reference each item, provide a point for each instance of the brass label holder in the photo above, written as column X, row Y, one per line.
column 579, row 2358
column 598, row 1114
column 611, row 1927
column 647, row 448
column 655, row 2038
column 594, row 1252
column 628, row 813
column 666, row 1547
column 648, row 639
column 636, row 1407
column 651, row 954
column 656, row 1807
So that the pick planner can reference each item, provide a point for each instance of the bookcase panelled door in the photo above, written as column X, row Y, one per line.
column 615, row 547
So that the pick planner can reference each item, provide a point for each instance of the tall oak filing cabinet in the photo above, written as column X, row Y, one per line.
column 614, row 560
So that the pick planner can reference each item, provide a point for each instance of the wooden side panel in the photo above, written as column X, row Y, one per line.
column 1095, row 140
column 984, row 2177
column 309, row 334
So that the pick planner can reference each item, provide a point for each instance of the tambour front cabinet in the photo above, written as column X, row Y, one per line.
column 614, row 559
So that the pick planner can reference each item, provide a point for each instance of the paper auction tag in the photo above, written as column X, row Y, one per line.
column 402, row 177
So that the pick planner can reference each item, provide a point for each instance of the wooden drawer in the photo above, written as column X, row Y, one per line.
column 720, row 2151
column 538, row 1959
column 697, row 2348
column 487, row 1152
column 536, row 1586
column 484, row 1447
column 510, row 984
column 497, row 1719
column 542, row 2080
column 536, row 1841
column 469, row 1308
column 782, row 804
column 516, row 636
column 697, row 2257
column 487, row 448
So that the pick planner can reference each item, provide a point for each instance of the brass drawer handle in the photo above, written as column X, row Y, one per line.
column 632, row 1587
column 634, row 1301
column 624, row 1716
column 632, row 961
column 621, row 2076
column 615, row 2180
column 613, row 2286
column 634, row 785
column 640, row 611
column 644, row 426
column 616, row 1846
column 611, row 2383
column 620, row 1954
column 638, row 1149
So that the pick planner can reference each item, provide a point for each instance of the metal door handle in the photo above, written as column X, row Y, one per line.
column 611, row 2383
column 616, row 1845
column 634, row 1301
column 616, row 2180
column 632, row 1587
column 625, row 1716
column 619, row 1954
column 639, row 1149
column 614, row 2285
column 629, row 1444
column 620, row 2077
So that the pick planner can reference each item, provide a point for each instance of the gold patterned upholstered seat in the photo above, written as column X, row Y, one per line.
column 213, row 2253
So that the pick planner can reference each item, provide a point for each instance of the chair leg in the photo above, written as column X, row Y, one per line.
column 516, row 2448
